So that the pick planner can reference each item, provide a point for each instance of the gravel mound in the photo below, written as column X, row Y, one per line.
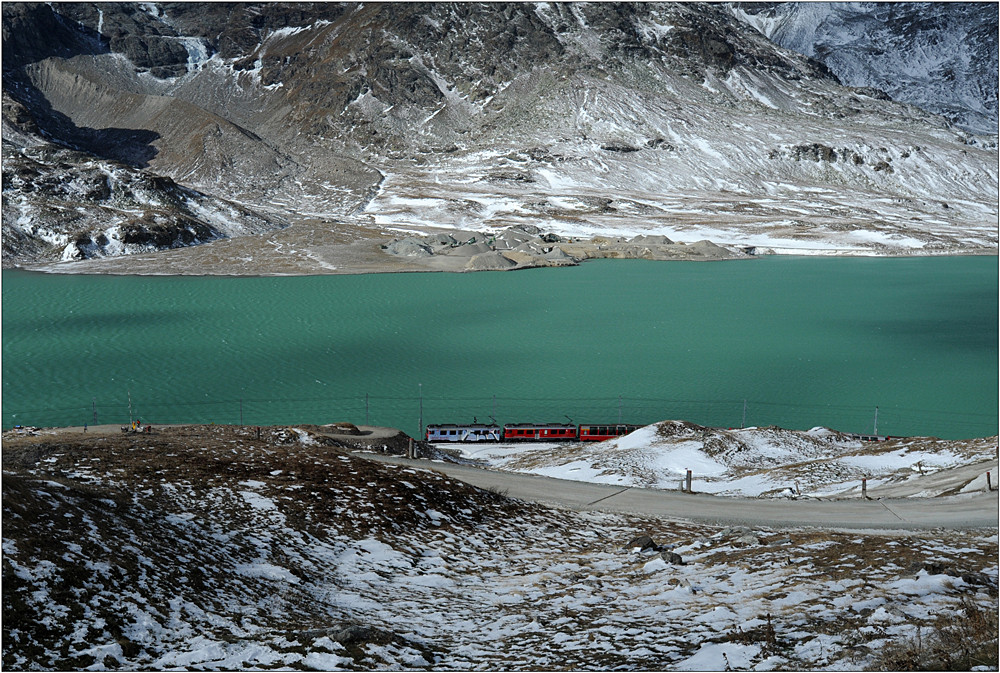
column 489, row 261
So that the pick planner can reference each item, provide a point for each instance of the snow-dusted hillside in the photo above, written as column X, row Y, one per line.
column 940, row 56
column 755, row 462
column 676, row 120
column 213, row 548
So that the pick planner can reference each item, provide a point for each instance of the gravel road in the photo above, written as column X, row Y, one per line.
column 965, row 511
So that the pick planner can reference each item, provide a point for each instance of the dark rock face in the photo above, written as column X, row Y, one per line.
column 939, row 56
column 35, row 31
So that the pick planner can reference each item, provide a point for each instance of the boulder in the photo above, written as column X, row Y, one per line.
column 672, row 558
column 642, row 543
column 525, row 228
column 348, row 634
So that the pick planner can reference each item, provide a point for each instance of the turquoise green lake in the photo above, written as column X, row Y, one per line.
column 804, row 341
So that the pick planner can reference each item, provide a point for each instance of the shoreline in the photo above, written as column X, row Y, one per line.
column 381, row 262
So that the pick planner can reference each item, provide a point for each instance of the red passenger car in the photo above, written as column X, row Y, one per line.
column 600, row 433
column 539, row 432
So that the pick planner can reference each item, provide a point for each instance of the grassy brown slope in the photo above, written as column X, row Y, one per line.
column 109, row 517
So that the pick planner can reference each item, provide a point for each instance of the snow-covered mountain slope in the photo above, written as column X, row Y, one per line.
column 666, row 119
column 940, row 56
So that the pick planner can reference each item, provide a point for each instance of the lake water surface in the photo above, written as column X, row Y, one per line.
column 804, row 341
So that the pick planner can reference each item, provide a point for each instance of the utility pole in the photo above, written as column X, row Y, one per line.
column 421, row 388
column 619, row 410
column 129, row 407
column 875, row 430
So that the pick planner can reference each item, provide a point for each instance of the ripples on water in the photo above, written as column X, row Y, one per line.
column 805, row 341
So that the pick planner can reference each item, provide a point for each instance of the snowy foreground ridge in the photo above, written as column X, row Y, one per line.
column 212, row 548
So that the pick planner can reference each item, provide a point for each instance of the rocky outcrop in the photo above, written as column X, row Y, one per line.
column 940, row 56
column 62, row 204
column 526, row 247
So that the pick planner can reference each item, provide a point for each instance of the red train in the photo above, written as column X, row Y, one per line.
column 526, row 432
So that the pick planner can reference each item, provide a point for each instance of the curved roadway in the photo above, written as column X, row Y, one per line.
column 965, row 511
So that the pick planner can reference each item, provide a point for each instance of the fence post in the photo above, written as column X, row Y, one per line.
column 989, row 485
column 864, row 487
column 409, row 448
column 687, row 482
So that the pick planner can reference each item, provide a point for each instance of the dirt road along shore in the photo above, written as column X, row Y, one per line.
column 967, row 511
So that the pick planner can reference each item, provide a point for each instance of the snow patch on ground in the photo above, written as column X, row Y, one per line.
column 751, row 462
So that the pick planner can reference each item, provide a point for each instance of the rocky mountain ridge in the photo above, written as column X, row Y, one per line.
column 675, row 120
column 940, row 56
